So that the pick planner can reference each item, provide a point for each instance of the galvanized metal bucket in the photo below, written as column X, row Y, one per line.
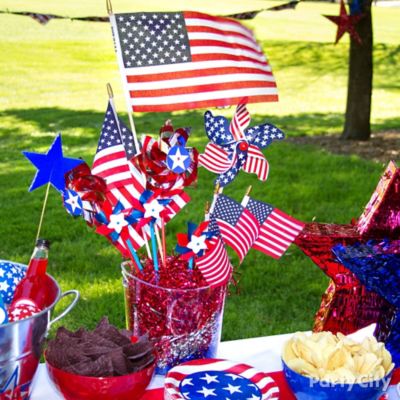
column 21, row 344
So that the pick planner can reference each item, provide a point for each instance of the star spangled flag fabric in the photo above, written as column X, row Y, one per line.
column 237, row 226
column 218, row 379
column 240, row 121
column 277, row 229
column 214, row 264
column 185, row 60
column 115, row 148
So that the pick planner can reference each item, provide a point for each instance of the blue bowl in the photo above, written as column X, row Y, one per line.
column 305, row 388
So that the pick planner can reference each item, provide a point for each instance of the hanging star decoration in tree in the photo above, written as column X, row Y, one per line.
column 346, row 23
column 347, row 304
column 52, row 166
column 235, row 146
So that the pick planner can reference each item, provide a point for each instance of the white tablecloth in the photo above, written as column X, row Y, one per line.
column 263, row 353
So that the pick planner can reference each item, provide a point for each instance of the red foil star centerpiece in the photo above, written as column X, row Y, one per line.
column 347, row 305
column 346, row 23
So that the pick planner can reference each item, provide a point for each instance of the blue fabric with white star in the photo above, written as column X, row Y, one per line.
column 218, row 385
column 217, row 130
column 10, row 275
column 73, row 203
column 52, row 166
column 186, row 162
column 114, row 132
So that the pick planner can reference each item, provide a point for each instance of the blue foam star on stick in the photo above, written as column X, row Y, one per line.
column 52, row 166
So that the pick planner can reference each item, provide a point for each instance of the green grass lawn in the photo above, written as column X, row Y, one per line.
column 53, row 78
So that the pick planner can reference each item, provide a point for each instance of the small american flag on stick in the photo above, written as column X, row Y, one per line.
column 112, row 161
column 186, row 60
column 214, row 264
column 237, row 226
column 278, row 230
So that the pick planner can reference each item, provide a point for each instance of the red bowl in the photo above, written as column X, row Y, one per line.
column 78, row 387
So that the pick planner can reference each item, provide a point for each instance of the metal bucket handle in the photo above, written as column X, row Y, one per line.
column 76, row 295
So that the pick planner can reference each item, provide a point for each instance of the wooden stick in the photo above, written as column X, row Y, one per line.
column 109, row 7
column 217, row 191
column 146, row 243
column 245, row 199
column 46, row 196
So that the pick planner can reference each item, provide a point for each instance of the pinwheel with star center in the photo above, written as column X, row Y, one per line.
column 234, row 146
column 84, row 193
column 167, row 163
column 195, row 242
column 115, row 221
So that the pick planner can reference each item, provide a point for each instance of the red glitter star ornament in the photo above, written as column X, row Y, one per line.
column 347, row 305
column 346, row 23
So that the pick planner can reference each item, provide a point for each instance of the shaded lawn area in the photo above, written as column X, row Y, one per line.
column 53, row 79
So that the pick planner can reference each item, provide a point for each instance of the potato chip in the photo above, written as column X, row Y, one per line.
column 337, row 358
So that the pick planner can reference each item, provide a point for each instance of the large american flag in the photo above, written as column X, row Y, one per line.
column 112, row 161
column 214, row 264
column 185, row 60
column 278, row 230
column 237, row 226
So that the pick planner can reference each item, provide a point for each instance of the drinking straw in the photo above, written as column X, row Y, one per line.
column 134, row 255
column 164, row 243
column 154, row 246
column 190, row 266
column 160, row 249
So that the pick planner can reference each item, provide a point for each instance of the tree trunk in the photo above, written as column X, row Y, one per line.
column 359, row 92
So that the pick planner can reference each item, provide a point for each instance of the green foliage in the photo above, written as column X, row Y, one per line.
column 53, row 79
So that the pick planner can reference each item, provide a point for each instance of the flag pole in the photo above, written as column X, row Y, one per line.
column 217, row 191
column 46, row 196
column 207, row 211
column 245, row 199
column 121, row 67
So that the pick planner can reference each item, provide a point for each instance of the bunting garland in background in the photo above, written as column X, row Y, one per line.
column 43, row 19
column 246, row 15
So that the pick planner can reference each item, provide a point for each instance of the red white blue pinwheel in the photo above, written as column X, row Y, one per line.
column 233, row 146
column 195, row 242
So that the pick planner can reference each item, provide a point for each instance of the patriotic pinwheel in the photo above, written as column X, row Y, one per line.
column 195, row 242
column 167, row 163
column 84, row 193
column 234, row 146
